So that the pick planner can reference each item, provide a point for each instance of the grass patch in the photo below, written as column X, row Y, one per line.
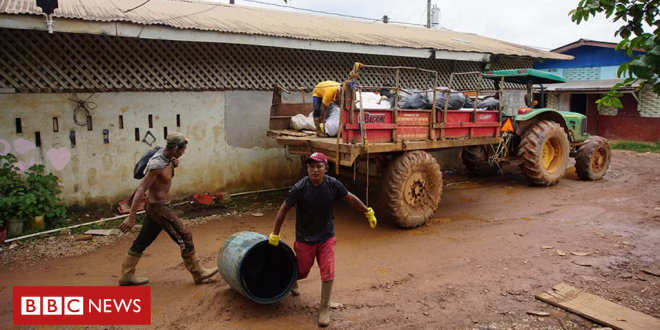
column 637, row 146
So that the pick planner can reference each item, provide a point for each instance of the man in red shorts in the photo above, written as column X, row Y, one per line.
column 314, row 197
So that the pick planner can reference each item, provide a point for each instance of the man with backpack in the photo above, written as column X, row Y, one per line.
column 158, row 180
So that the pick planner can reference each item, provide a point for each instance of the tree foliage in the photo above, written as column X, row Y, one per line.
column 637, row 18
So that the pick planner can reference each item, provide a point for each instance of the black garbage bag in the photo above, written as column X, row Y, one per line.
column 489, row 103
column 412, row 100
column 469, row 104
column 456, row 100
column 388, row 92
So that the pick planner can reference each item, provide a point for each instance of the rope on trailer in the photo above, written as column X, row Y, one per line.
column 500, row 152
column 367, row 148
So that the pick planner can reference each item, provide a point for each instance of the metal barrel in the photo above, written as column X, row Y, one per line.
column 260, row 272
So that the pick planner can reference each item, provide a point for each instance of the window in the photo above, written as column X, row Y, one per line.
column 37, row 139
column 19, row 126
column 121, row 122
column 137, row 134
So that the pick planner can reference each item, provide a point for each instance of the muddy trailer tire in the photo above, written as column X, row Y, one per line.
column 543, row 153
column 593, row 158
column 475, row 160
column 411, row 189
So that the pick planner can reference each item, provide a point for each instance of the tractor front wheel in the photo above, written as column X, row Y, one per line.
column 543, row 153
column 411, row 189
column 593, row 158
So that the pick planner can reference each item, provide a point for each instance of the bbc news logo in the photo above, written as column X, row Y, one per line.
column 82, row 305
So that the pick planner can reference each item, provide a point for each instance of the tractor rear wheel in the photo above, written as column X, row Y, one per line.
column 411, row 189
column 593, row 158
column 475, row 159
column 543, row 153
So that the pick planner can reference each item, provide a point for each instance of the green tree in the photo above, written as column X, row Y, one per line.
column 636, row 17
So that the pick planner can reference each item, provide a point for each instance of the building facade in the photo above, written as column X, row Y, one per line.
column 90, row 98
column 589, row 76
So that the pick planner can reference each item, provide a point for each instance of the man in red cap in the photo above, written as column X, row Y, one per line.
column 314, row 197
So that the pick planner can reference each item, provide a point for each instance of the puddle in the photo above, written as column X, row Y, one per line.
column 462, row 185
column 469, row 219
column 383, row 270
column 571, row 174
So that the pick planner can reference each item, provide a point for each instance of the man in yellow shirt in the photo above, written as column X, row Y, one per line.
column 324, row 93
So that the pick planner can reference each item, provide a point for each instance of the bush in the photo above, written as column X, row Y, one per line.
column 34, row 194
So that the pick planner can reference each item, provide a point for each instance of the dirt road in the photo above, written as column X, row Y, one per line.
column 478, row 264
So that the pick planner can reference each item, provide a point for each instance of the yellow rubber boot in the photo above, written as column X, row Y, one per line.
column 319, row 130
column 128, row 272
column 198, row 272
column 296, row 289
column 324, row 309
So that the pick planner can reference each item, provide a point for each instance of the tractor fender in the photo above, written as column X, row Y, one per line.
column 536, row 115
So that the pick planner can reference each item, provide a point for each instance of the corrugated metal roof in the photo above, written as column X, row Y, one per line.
column 212, row 16
column 588, row 85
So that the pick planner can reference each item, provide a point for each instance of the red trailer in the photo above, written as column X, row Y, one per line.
column 390, row 145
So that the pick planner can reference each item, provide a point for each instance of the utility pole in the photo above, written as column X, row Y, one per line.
column 428, row 14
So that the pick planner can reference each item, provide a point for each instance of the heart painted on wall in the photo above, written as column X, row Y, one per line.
column 59, row 157
column 25, row 165
column 22, row 146
column 6, row 147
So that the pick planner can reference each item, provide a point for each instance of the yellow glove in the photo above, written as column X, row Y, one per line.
column 371, row 217
column 273, row 239
column 322, row 127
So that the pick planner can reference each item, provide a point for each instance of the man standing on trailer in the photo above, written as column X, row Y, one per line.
column 314, row 197
column 324, row 93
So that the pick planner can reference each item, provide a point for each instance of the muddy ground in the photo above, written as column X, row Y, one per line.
column 476, row 265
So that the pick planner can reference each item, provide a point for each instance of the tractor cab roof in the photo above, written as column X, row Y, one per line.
column 521, row 76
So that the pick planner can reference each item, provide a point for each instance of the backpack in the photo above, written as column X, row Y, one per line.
column 138, row 172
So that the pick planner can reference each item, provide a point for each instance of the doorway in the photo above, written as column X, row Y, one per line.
column 579, row 103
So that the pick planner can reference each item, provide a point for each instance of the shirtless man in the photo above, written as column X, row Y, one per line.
column 158, row 180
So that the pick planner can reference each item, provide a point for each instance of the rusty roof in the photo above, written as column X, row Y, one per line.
column 213, row 16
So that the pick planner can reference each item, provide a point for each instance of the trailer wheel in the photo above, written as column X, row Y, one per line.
column 543, row 153
column 475, row 160
column 411, row 189
column 593, row 158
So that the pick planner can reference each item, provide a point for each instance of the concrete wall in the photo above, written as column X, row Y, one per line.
column 250, row 111
column 96, row 173
column 512, row 101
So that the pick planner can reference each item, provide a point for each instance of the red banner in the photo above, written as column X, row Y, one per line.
column 82, row 305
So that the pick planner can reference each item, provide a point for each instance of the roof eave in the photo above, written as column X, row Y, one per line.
column 133, row 30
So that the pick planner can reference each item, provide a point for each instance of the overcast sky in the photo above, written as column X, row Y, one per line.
column 539, row 23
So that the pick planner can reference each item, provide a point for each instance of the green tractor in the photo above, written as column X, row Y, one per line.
column 540, row 139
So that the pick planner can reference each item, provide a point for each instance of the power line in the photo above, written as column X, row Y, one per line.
column 392, row 6
column 311, row 10
column 420, row 19
column 330, row 13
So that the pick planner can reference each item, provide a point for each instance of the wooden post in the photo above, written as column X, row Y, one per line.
column 444, row 111
column 432, row 120
column 476, row 101
column 501, row 98
column 396, row 107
